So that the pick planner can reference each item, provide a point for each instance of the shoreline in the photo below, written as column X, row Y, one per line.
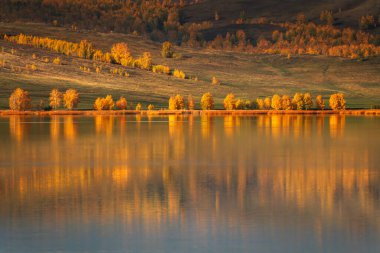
column 368, row 112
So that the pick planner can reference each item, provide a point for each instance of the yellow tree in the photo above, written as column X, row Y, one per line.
column 144, row 62
column 167, row 50
column 286, row 102
column 276, row 102
column 229, row 102
column 121, row 103
column 121, row 54
column 71, row 99
column 180, row 102
column 319, row 102
column 308, row 101
column 190, row 102
column 298, row 102
column 267, row 103
column 172, row 104
column 207, row 101
column 337, row 102
column 55, row 99
column 260, row 103
column 20, row 100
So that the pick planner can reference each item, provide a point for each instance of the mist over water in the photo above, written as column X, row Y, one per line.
column 280, row 183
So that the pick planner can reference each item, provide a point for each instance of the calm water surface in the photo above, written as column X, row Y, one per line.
column 190, row 184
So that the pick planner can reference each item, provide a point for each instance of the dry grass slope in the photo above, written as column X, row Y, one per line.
column 247, row 76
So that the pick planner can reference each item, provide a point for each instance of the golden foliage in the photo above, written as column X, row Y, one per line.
column 298, row 101
column 276, row 102
column 106, row 103
column 121, row 54
column 55, row 98
column 121, row 104
column 286, row 103
column 337, row 102
column 190, row 103
column 215, row 81
column 167, row 50
column 319, row 102
column 144, row 62
column 207, row 101
column 162, row 69
column 71, row 99
column 308, row 101
column 150, row 107
column 57, row 61
column 260, row 103
column 138, row 107
column 267, row 103
column 20, row 100
column 229, row 102
column 176, row 103
column 179, row 74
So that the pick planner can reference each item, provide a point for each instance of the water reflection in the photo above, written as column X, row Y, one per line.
column 279, row 173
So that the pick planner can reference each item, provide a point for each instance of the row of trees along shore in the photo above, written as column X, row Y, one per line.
column 20, row 100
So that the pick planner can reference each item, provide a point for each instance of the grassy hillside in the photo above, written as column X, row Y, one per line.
column 247, row 76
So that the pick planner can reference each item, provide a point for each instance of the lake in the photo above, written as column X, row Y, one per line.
column 280, row 183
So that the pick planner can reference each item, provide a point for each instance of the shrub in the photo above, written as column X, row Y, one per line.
column 119, row 71
column 319, row 102
column 55, row 98
column 308, row 101
column 215, row 81
column 121, row 103
column 121, row 54
column 190, row 103
column 276, row 102
column 85, row 69
column 207, row 101
column 144, row 62
column 85, row 49
column 179, row 74
column 150, row 107
column 298, row 102
column 229, row 102
column 57, row 61
column 31, row 67
column 337, row 102
column 20, row 100
column 98, row 55
column 248, row 104
column 71, row 99
column 286, row 102
column 162, row 69
column 138, row 107
column 167, row 50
